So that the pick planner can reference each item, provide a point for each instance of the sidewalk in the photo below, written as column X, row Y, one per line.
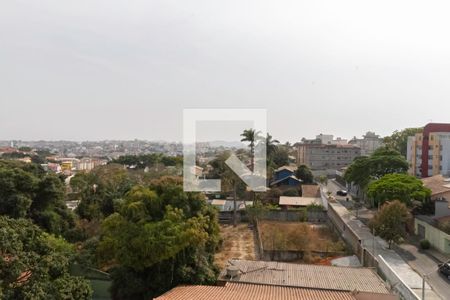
column 432, row 253
column 338, row 184
column 438, row 256
column 423, row 264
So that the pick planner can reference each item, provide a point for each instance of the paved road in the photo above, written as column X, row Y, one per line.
column 362, row 212
column 419, row 262
column 423, row 264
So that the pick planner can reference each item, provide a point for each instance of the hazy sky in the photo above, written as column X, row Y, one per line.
column 86, row 70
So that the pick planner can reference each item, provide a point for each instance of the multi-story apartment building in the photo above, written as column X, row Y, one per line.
column 326, row 139
column 325, row 157
column 368, row 144
column 428, row 153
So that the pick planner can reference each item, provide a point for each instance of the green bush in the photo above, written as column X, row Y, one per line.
column 291, row 193
column 425, row 244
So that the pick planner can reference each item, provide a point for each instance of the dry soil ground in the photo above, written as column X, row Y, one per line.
column 238, row 242
column 297, row 236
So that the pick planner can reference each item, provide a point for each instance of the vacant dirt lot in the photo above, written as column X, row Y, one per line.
column 297, row 236
column 238, row 242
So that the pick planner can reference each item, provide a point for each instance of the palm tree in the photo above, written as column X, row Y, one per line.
column 271, row 150
column 271, row 146
column 251, row 136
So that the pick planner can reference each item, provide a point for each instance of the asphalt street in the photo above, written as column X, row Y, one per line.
column 417, row 260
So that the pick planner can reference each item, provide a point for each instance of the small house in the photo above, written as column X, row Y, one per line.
column 284, row 176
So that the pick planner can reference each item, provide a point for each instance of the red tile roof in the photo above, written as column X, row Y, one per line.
column 438, row 184
column 242, row 291
column 307, row 276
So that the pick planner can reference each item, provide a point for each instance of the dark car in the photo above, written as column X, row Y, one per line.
column 341, row 193
column 445, row 269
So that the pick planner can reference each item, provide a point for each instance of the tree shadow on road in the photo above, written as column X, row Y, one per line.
column 405, row 254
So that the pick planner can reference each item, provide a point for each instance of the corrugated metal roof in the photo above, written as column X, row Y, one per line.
column 283, row 179
column 289, row 168
column 240, row 291
column 299, row 201
column 310, row 276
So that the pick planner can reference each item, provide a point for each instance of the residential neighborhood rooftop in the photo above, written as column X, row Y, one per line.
column 299, row 201
column 285, row 179
column 289, row 168
column 308, row 276
column 438, row 184
column 242, row 291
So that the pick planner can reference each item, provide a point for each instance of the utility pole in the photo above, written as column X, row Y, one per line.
column 426, row 275
column 373, row 243
column 423, row 286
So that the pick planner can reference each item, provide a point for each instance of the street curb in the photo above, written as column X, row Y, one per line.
column 434, row 257
column 338, row 184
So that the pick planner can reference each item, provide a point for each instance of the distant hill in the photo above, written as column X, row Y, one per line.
column 226, row 144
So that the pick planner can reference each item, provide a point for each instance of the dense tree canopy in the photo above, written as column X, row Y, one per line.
column 159, row 237
column 100, row 189
column 399, row 139
column 148, row 160
column 26, row 191
column 383, row 161
column 401, row 187
column 281, row 158
column 390, row 221
column 148, row 233
column 229, row 179
column 35, row 265
column 304, row 174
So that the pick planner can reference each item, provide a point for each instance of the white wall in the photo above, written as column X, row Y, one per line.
column 445, row 163
column 438, row 239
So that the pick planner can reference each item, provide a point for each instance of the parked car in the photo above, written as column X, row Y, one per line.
column 341, row 193
column 445, row 269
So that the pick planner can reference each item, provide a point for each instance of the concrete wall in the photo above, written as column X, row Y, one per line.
column 289, row 256
column 397, row 285
column 438, row 239
column 369, row 249
column 295, row 216
column 441, row 207
column 344, row 230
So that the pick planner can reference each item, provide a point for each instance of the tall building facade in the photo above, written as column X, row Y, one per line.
column 323, row 157
column 325, row 139
column 368, row 144
column 428, row 153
